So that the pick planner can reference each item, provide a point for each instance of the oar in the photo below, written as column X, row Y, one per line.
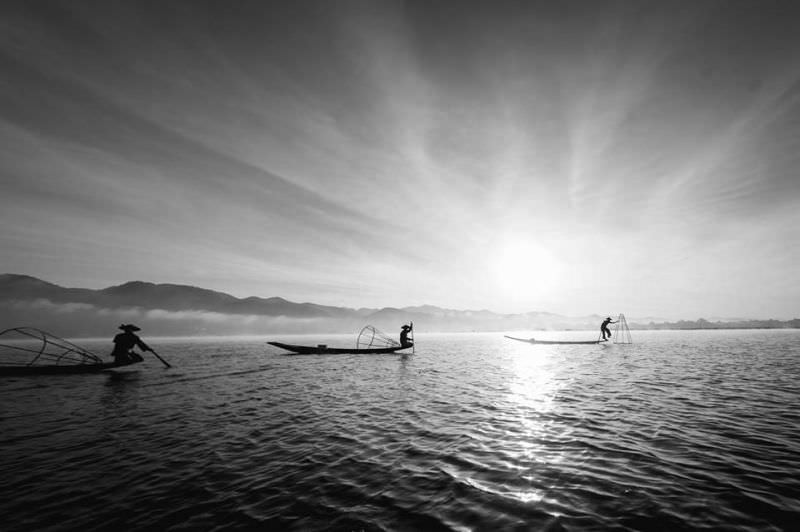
column 161, row 359
column 413, row 343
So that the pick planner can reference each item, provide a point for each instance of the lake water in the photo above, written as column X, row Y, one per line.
column 682, row 430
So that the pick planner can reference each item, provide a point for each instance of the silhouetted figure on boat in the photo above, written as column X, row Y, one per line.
column 604, row 328
column 124, row 342
column 405, row 329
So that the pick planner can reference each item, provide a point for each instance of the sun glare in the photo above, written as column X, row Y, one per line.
column 523, row 269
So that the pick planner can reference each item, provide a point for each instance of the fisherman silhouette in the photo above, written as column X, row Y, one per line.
column 405, row 329
column 124, row 342
column 604, row 328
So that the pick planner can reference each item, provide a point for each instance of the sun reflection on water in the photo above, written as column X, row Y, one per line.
column 531, row 401
column 535, row 384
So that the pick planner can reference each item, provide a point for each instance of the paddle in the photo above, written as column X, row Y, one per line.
column 167, row 364
column 413, row 343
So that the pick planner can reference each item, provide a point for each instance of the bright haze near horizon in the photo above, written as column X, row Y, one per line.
column 571, row 157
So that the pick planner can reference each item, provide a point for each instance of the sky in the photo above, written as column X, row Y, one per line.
column 591, row 157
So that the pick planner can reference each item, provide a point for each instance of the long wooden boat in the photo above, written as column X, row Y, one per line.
column 554, row 342
column 31, row 351
column 325, row 350
column 66, row 369
column 370, row 341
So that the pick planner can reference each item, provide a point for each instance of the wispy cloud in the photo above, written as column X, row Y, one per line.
column 393, row 153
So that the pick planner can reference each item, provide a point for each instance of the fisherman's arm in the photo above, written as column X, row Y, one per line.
column 143, row 346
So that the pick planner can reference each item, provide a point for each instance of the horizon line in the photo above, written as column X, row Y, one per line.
column 716, row 319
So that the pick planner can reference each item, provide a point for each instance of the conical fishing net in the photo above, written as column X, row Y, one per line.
column 26, row 346
column 370, row 337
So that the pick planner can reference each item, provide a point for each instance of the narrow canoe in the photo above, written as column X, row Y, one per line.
column 325, row 350
column 66, row 369
column 549, row 342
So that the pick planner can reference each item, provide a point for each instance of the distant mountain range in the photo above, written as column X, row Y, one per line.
column 170, row 297
column 170, row 309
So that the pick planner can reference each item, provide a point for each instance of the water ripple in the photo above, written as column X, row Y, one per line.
column 690, row 431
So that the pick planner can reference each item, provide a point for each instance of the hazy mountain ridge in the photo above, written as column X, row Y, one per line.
column 171, row 309
column 172, row 297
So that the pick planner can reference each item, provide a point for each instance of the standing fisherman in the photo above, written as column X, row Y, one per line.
column 124, row 342
column 604, row 328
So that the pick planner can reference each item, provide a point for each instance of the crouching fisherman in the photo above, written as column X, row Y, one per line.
column 405, row 329
column 124, row 342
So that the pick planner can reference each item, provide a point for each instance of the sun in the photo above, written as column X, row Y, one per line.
column 523, row 269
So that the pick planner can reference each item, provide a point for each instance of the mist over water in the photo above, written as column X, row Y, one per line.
column 682, row 430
